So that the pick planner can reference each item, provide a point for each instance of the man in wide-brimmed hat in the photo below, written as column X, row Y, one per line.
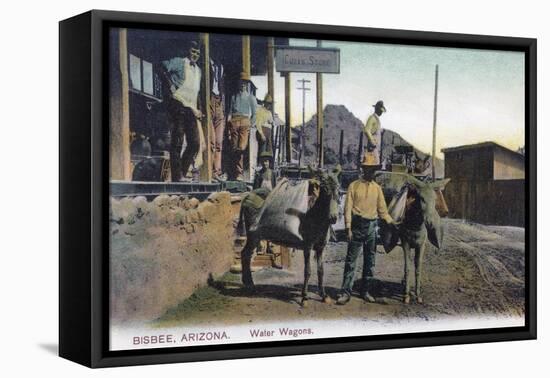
column 264, row 125
column 373, row 131
column 183, row 78
column 265, row 177
column 242, row 116
column 365, row 203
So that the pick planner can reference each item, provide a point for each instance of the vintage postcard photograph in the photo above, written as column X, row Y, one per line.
column 274, row 189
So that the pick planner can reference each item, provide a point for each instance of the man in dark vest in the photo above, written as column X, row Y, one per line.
column 265, row 177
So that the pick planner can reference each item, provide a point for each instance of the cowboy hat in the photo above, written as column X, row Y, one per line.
column 380, row 105
column 266, row 154
column 194, row 47
column 369, row 161
column 245, row 76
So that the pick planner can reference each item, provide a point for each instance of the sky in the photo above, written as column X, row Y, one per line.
column 480, row 92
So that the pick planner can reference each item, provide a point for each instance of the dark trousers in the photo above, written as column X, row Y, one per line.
column 363, row 237
column 216, row 135
column 267, row 145
column 184, row 124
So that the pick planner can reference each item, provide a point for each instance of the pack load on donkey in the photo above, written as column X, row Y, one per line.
column 402, row 189
column 279, row 218
column 396, row 208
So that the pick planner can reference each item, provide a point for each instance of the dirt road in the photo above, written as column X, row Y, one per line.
column 479, row 271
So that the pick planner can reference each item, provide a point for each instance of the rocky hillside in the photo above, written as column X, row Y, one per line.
column 338, row 117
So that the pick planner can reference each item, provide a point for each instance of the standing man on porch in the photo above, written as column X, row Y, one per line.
column 373, row 131
column 217, row 111
column 183, row 78
column 265, row 177
column 242, row 117
column 264, row 124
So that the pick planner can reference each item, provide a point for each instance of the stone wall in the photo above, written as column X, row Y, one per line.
column 161, row 251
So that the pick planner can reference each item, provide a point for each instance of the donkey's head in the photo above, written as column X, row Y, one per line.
column 430, row 195
column 427, row 198
column 327, row 184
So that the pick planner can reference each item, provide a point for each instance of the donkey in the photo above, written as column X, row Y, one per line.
column 314, row 228
column 425, row 203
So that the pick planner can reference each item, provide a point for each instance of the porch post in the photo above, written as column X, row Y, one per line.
column 206, row 168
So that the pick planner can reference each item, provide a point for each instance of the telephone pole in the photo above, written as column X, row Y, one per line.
column 303, row 137
column 320, row 115
column 435, row 121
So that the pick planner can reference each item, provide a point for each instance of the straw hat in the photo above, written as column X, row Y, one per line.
column 369, row 161
column 245, row 76
column 266, row 154
column 268, row 99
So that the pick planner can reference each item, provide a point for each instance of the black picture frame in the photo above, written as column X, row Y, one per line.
column 84, row 189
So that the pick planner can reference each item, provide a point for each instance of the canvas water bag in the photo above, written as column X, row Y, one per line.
column 396, row 208
column 279, row 220
column 435, row 230
column 388, row 233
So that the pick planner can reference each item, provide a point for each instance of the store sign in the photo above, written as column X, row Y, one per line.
column 307, row 59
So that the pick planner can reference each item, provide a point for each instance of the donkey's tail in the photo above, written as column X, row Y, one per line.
column 241, row 231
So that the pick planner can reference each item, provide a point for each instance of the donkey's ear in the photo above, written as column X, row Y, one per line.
column 416, row 182
column 337, row 170
column 440, row 184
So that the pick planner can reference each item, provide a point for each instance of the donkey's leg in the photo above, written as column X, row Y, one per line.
column 307, row 274
column 418, row 263
column 320, row 273
column 407, row 268
column 246, row 257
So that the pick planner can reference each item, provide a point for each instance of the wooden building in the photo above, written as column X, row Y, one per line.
column 487, row 184
column 484, row 161
column 136, row 92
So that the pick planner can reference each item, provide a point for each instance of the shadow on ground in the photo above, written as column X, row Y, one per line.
column 384, row 290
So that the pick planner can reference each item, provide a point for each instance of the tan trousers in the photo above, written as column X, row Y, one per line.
column 239, row 129
column 266, row 146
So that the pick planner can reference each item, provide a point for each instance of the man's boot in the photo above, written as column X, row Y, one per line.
column 343, row 298
column 365, row 295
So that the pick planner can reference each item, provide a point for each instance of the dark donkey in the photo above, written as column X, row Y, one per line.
column 314, row 229
column 424, row 205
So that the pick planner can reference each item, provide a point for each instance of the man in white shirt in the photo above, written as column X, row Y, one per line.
column 183, row 78
column 264, row 125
